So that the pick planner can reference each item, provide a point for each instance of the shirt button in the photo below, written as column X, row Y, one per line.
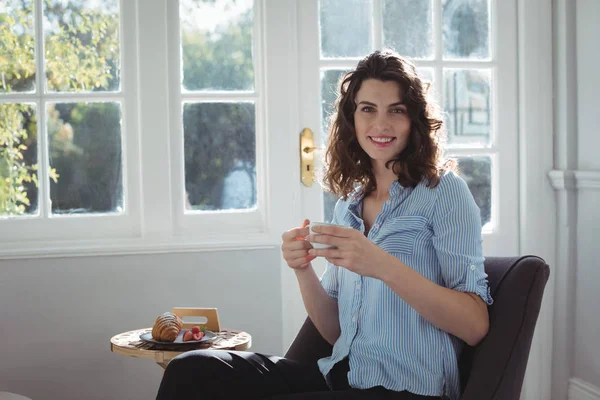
column 358, row 286
column 353, row 319
column 472, row 267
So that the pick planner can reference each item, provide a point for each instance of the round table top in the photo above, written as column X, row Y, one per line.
column 130, row 344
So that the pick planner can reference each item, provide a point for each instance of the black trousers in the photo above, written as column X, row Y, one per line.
column 229, row 375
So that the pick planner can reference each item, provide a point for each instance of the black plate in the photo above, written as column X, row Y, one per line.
column 208, row 336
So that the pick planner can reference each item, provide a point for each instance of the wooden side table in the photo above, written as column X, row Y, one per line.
column 129, row 344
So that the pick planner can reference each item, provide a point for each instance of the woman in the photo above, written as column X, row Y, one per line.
column 404, row 286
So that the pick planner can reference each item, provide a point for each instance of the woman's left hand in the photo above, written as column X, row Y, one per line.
column 353, row 250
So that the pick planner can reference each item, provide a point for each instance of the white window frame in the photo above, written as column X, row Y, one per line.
column 187, row 223
column 155, row 220
column 30, row 234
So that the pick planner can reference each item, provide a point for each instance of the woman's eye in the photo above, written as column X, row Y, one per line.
column 367, row 109
column 398, row 110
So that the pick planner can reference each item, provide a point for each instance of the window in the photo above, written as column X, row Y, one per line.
column 218, row 105
column 63, row 107
column 218, row 116
column 180, row 130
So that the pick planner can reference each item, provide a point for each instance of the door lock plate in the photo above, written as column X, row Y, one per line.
column 307, row 157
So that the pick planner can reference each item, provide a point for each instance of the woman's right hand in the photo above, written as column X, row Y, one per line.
column 295, row 248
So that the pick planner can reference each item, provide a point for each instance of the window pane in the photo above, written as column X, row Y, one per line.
column 466, row 29
column 18, row 159
column 468, row 107
column 330, row 82
column 17, row 47
column 220, row 155
column 407, row 27
column 477, row 172
column 345, row 27
column 427, row 75
column 81, row 41
column 85, row 152
column 216, row 44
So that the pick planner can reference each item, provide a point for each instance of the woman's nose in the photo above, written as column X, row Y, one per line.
column 382, row 122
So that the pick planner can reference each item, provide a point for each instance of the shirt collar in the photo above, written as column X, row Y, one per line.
column 356, row 196
column 395, row 189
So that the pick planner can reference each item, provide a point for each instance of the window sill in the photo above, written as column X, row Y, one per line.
column 71, row 248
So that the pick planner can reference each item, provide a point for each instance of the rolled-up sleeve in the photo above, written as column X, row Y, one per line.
column 457, row 238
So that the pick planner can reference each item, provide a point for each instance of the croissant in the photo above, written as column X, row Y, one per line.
column 166, row 327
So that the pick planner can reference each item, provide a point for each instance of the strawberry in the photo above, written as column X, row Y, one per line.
column 187, row 336
column 198, row 336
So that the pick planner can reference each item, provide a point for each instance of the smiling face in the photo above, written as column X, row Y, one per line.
column 381, row 120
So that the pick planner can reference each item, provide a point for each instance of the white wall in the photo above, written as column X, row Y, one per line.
column 57, row 316
column 587, row 292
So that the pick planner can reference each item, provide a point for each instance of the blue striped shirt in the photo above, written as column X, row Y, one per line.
column 435, row 231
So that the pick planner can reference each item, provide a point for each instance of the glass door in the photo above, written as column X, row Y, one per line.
column 457, row 45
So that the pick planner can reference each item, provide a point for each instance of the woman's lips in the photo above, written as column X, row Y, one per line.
column 381, row 141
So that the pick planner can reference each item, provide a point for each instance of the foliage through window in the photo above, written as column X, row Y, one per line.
column 218, row 104
column 79, row 154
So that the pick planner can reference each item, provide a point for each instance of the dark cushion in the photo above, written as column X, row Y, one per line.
column 495, row 368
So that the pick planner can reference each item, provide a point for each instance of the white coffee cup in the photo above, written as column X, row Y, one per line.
column 321, row 245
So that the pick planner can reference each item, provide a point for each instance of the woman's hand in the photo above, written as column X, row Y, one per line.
column 353, row 250
column 295, row 247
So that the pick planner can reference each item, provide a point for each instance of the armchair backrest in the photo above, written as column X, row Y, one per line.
column 495, row 368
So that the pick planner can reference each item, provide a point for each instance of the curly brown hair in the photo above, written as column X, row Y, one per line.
column 347, row 164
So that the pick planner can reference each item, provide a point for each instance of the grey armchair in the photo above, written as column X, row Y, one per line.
column 494, row 369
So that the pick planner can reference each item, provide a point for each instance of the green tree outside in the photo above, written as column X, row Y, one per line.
column 80, row 56
column 218, row 137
